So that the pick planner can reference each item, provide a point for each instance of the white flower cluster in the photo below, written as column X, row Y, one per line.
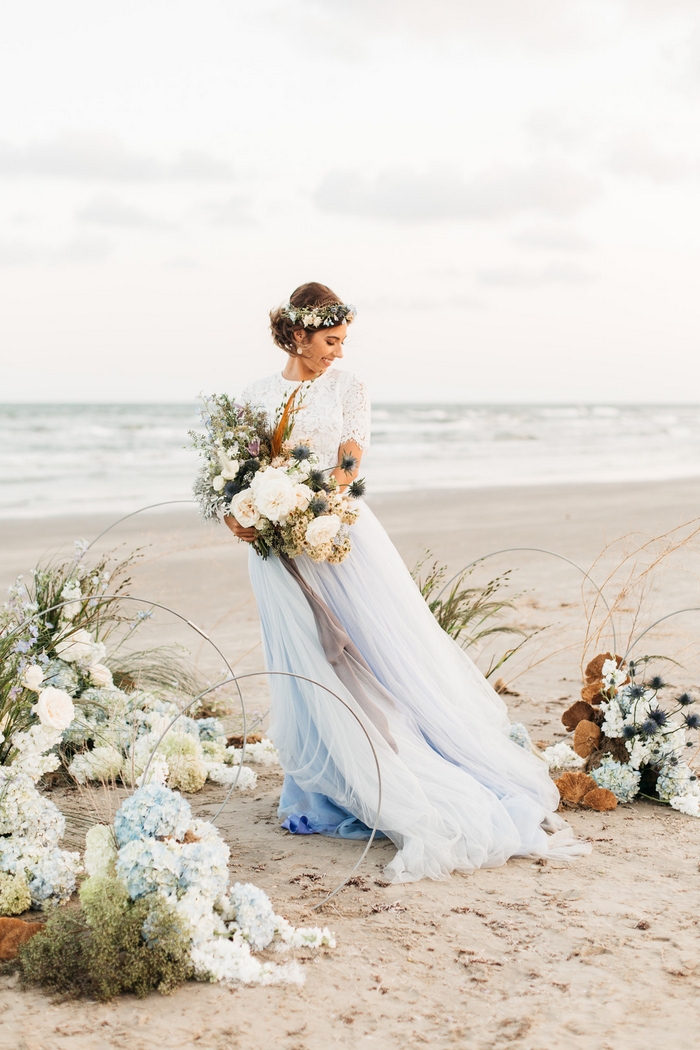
column 561, row 756
column 157, row 848
column 121, row 733
column 280, row 496
column 31, row 826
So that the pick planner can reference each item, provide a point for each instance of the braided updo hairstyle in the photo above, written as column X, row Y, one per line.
column 309, row 295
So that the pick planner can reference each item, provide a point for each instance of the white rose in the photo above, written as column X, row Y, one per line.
column 54, row 708
column 322, row 529
column 79, row 647
column 100, row 675
column 218, row 483
column 304, row 495
column 274, row 493
column 244, row 510
column 32, row 677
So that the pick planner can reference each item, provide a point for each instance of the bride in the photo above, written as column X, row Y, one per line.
column 457, row 793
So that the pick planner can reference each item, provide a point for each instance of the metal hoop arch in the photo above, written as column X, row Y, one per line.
column 537, row 550
column 132, row 514
column 635, row 641
column 237, row 678
column 312, row 681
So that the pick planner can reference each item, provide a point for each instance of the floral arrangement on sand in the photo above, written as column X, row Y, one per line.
column 627, row 740
column 158, row 897
column 56, row 670
column 257, row 475
column 34, row 871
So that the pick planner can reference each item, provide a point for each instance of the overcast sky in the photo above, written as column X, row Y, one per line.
column 508, row 190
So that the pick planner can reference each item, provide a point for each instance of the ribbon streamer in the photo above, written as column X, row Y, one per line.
column 343, row 656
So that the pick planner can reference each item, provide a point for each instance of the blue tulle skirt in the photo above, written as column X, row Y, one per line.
column 452, row 790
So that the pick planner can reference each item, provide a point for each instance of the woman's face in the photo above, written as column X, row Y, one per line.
column 320, row 349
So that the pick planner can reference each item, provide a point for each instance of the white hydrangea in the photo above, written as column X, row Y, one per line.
column 220, row 773
column 639, row 750
column 612, row 675
column 615, row 720
column 231, row 961
column 72, row 594
column 100, row 850
column 688, row 804
column 262, row 752
column 103, row 763
column 561, row 756
column 35, row 756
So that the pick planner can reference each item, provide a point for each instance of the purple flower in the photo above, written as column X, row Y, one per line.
column 254, row 447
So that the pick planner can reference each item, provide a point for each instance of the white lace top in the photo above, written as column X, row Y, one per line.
column 335, row 410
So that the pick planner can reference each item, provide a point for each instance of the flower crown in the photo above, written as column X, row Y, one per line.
column 320, row 316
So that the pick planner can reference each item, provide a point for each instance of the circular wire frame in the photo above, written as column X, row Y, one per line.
column 536, row 550
column 677, row 612
column 103, row 599
column 311, row 681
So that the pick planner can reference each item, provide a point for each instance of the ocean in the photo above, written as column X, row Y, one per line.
column 79, row 459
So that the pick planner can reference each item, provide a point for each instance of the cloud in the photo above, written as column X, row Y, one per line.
column 81, row 250
column 406, row 196
column 637, row 155
column 231, row 212
column 520, row 277
column 552, row 238
column 544, row 23
column 104, row 157
column 423, row 302
column 110, row 211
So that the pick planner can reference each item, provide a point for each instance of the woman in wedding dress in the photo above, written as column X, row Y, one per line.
column 457, row 792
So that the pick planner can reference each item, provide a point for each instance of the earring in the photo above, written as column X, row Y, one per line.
column 299, row 350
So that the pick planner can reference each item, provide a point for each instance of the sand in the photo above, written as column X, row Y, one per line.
column 600, row 954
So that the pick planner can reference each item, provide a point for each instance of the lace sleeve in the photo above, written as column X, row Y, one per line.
column 356, row 412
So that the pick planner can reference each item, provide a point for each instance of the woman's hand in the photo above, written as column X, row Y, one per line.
column 247, row 535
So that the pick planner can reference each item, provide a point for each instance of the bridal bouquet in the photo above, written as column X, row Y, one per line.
column 254, row 473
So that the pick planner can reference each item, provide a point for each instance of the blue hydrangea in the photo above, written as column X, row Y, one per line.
column 147, row 865
column 209, row 728
column 61, row 675
column 617, row 777
column 153, row 810
column 520, row 736
column 204, row 867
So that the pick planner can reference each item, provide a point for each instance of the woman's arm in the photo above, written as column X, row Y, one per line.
column 344, row 478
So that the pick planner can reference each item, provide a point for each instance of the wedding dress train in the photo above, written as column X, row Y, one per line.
column 457, row 792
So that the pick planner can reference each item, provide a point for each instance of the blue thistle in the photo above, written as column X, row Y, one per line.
column 692, row 721
column 685, row 700
column 318, row 505
column 629, row 732
column 348, row 463
column 317, row 481
column 657, row 683
column 301, row 452
column 649, row 727
column 659, row 716
column 358, row 488
column 636, row 692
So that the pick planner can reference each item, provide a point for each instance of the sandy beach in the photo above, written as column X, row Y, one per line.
column 600, row 954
